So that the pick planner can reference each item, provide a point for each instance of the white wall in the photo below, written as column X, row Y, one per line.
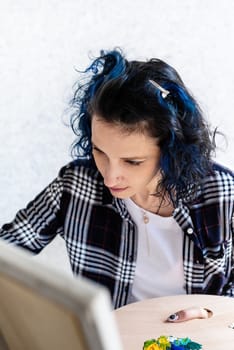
column 41, row 42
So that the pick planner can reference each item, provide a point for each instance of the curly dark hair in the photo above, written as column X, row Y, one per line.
column 121, row 92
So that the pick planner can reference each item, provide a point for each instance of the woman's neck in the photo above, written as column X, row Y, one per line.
column 159, row 204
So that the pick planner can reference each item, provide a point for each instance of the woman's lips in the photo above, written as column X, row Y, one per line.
column 117, row 189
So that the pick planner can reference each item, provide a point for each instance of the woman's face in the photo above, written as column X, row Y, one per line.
column 127, row 161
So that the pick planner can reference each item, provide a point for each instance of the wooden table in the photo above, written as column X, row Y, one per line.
column 144, row 320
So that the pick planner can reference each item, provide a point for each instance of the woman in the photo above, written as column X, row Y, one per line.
column 143, row 209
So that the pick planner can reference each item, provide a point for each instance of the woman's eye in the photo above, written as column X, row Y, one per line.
column 134, row 162
column 94, row 149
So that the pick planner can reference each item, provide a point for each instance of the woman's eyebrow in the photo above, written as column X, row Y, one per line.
column 124, row 158
column 133, row 158
column 93, row 145
column 96, row 147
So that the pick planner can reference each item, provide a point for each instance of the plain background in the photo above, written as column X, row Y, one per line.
column 43, row 43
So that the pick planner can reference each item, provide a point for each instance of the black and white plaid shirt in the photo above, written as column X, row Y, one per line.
column 101, row 238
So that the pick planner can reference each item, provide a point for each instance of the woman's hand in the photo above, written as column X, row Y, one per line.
column 189, row 314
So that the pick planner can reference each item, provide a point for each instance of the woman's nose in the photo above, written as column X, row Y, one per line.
column 112, row 176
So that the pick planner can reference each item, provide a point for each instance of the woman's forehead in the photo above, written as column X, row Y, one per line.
column 110, row 136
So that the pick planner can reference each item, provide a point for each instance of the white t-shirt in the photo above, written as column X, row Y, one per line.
column 159, row 266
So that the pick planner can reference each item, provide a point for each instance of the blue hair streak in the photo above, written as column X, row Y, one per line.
column 108, row 66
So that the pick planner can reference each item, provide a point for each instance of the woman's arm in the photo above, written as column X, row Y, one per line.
column 36, row 225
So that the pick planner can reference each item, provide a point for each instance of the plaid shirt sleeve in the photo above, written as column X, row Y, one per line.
column 208, row 224
column 36, row 225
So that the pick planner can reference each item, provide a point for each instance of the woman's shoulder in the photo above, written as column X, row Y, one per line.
column 221, row 169
column 220, row 179
column 217, row 186
column 221, row 173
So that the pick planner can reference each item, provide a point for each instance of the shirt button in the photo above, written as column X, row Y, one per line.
column 190, row 230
